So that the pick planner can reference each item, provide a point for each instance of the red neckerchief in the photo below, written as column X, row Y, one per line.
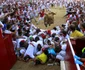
column 83, row 30
column 32, row 44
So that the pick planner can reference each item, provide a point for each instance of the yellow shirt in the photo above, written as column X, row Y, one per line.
column 42, row 57
column 76, row 33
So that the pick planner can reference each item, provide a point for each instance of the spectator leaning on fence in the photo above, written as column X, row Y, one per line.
column 75, row 33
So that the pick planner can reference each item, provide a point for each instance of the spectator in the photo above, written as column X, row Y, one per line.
column 75, row 33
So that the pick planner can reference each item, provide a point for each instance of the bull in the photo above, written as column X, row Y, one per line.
column 49, row 18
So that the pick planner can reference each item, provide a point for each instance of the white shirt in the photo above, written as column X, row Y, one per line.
column 40, row 42
column 43, row 7
column 55, row 31
column 30, row 51
column 61, row 55
column 64, row 46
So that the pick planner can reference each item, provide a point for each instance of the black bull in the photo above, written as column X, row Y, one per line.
column 49, row 19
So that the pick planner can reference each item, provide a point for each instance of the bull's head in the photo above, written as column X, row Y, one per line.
column 46, row 14
column 52, row 13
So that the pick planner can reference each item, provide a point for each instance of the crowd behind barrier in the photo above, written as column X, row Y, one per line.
column 33, row 43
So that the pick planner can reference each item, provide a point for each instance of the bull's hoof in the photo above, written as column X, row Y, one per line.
column 49, row 24
column 45, row 25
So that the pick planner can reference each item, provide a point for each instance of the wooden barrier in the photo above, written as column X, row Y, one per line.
column 69, row 62
column 80, row 44
column 4, row 61
column 10, row 49
column 73, row 47
column 7, row 54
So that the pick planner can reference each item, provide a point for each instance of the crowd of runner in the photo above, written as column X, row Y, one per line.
column 33, row 43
